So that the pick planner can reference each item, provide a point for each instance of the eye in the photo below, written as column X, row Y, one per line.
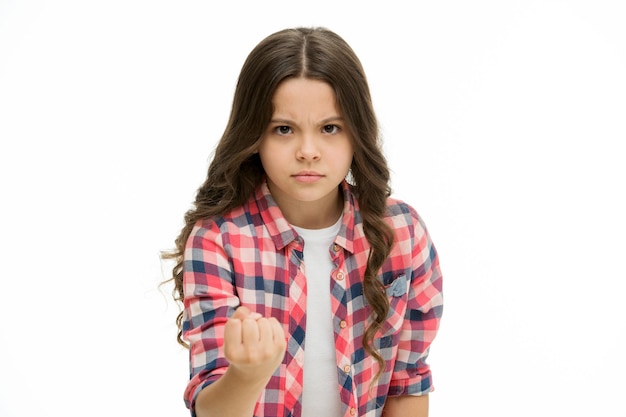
column 331, row 129
column 282, row 130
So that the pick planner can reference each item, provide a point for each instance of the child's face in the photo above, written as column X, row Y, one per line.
column 306, row 150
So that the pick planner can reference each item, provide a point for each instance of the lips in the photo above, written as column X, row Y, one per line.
column 308, row 176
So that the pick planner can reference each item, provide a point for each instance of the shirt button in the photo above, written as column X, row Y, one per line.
column 340, row 275
column 336, row 247
column 352, row 411
column 343, row 324
column 346, row 369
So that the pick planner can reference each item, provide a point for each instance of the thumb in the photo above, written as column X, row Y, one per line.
column 244, row 312
column 241, row 313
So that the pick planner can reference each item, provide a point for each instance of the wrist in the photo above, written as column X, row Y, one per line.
column 246, row 377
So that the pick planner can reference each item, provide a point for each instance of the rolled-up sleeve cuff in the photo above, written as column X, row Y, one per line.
column 195, row 386
column 416, row 385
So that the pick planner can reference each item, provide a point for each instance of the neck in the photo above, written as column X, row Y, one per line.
column 314, row 214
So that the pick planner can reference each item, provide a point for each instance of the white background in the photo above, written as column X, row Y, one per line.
column 504, row 124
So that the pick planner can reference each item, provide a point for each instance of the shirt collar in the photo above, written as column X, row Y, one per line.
column 281, row 231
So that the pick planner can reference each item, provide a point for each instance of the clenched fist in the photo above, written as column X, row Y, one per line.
column 253, row 345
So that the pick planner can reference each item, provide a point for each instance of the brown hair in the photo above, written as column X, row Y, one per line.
column 236, row 170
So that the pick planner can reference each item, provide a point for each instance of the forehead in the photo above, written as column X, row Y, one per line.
column 303, row 96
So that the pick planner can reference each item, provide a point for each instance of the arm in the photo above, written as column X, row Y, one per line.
column 233, row 352
column 406, row 406
column 254, row 348
column 411, row 372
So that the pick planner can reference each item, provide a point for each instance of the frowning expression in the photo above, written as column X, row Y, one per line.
column 306, row 150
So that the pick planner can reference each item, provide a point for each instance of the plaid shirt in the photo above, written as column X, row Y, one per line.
column 253, row 257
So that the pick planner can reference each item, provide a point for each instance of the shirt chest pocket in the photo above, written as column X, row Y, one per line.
column 397, row 294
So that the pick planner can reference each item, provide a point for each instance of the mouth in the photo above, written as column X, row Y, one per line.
column 308, row 176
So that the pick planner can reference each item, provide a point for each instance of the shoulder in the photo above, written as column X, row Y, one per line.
column 238, row 221
column 402, row 215
column 397, row 208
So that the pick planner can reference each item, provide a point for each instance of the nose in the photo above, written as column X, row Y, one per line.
column 308, row 149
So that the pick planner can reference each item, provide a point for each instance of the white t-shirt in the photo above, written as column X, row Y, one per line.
column 320, row 395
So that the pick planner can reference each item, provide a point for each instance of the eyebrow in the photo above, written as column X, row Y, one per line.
column 322, row 123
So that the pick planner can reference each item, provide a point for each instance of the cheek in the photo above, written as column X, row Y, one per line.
column 347, row 153
column 269, row 157
column 264, row 160
column 263, row 151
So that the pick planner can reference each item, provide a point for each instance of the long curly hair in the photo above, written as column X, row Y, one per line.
column 236, row 170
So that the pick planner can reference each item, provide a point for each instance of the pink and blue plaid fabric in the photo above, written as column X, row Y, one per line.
column 253, row 257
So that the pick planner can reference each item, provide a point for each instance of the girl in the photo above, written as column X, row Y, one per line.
column 306, row 289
